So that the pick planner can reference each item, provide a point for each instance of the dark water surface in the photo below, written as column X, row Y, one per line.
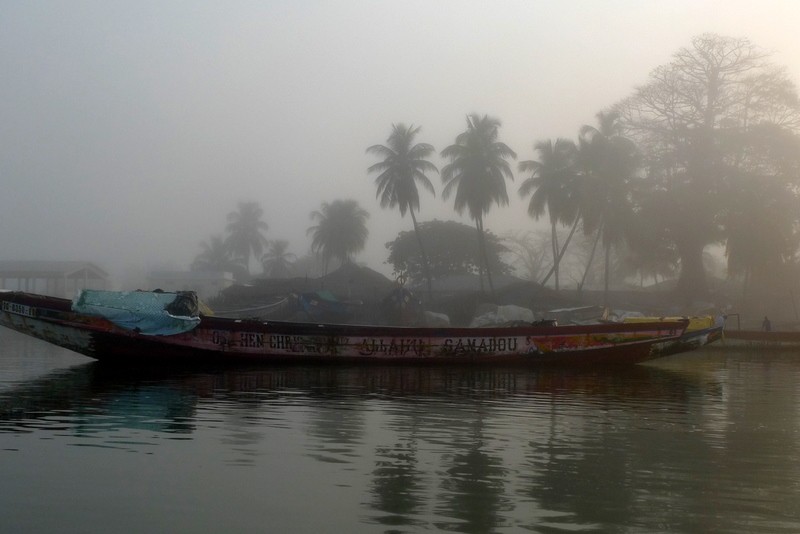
column 702, row 442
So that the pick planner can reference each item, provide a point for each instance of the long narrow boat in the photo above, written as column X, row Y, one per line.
column 700, row 331
column 150, row 327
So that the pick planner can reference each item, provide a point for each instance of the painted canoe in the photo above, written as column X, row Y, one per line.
column 111, row 336
column 700, row 331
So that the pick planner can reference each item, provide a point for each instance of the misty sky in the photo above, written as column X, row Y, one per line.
column 128, row 130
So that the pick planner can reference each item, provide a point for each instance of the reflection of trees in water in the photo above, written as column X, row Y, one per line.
column 627, row 460
column 398, row 483
column 755, row 447
column 437, row 462
column 339, row 428
column 453, row 449
column 433, row 459
column 242, row 429
column 335, row 411
column 474, row 487
column 584, row 478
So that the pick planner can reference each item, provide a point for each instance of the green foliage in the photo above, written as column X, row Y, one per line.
column 478, row 168
column 476, row 174
column 278, row 261
column 403, row 166
column 553, row 181
column 554, row 186
column 245, row 227
column 216, row 256
column 340, row 232
column 453, row 250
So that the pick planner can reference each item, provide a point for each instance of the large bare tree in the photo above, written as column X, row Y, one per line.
column 694, row 120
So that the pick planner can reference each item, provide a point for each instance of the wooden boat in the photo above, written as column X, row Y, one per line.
column 95, row 326
column 700, row 331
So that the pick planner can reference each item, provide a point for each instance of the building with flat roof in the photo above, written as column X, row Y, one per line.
column 54, row 278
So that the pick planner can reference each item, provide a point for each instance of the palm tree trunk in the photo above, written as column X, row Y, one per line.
column 425, row 266
column 607, row 263
column 480, row 256
column 486, row 262
column 485, row 256
column 563, row 250
column 591, row 257
column 554, row 245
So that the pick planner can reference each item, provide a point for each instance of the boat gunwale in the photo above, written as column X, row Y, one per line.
column 288, row 342
column 61, row 311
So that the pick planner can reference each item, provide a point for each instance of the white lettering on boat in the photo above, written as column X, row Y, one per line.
column 19, row 309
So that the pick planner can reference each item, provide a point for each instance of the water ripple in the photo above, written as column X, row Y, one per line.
column 710, row 446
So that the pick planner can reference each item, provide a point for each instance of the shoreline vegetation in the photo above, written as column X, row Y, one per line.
column 705, row 153
column 357, row 294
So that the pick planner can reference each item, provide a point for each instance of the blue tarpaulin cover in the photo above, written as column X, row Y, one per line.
column 143, row 311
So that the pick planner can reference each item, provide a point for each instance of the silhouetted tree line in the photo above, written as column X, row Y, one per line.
column 705, row 152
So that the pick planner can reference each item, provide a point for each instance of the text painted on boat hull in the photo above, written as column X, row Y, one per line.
column 364, row 346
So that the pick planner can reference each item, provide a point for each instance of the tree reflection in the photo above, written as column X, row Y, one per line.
column 464, row 450
column 474, row 490
column 628, row 461
column 397, row 483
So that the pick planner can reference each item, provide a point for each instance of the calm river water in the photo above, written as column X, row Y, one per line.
column 702, row 442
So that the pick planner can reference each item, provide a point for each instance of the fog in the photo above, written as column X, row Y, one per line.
column 129, row 130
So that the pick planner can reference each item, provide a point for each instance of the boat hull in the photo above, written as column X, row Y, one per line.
column 220, row 339
column 690, row 341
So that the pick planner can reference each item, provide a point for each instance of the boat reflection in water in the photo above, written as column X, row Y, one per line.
column 468, row 449
column 165, row 399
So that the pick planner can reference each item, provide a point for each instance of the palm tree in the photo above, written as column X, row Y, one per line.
column 278, row 261
column 217, row 257
column 340, row 232
column 553, row 182
column 477, row 173
column 244, row 232
column 404, row 165
column 611, row 161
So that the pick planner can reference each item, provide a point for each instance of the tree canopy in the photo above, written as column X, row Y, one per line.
column 477, row 175
column 707, row 123
column 340, row 232
column 216, row 256
column 404, row 165
column 453, row 251
column 277, row 261
column 245, row 232
column 553, row 186
column 707, row 151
